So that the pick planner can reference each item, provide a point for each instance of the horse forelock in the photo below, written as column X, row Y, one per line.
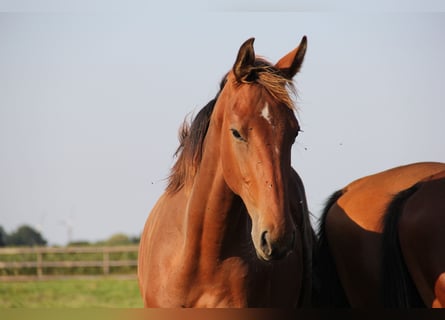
column 274, row 82
column 192, row 133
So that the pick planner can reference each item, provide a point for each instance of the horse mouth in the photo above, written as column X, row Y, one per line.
column 270, row 259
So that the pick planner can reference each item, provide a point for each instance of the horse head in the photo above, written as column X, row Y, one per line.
column 255, row 120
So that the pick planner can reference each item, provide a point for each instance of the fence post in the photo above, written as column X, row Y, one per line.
column 106, row 265
column 39, row 263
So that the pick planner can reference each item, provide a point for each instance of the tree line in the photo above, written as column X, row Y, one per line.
column 23, row 236
column 26, row 235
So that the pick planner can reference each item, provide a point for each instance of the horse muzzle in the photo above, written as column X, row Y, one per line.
column 271, row 249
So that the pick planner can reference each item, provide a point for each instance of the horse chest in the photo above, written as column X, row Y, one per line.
column 222, row 284
column 236, row 283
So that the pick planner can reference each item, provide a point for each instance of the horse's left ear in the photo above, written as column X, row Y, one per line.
column 291, row 63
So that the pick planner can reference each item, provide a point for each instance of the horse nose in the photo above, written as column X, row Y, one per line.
column 275, row 250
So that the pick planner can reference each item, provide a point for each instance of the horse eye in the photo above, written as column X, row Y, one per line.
column 237, row 135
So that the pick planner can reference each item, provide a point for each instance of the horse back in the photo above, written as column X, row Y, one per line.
column 365, row 200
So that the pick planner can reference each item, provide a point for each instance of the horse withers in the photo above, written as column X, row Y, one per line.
column 381, row 240
column 232, row 228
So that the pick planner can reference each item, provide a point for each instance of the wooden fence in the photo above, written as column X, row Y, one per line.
column 45, row 263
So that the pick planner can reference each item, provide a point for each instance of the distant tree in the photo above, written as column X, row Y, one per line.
column 135, row 240
column 25, row 236
column 3, row 236
column 118, row 239
column 79, row 243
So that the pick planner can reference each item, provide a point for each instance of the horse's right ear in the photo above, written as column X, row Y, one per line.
column 244, row 61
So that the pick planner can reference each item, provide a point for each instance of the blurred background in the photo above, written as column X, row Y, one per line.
column 91, row 102
column 92, row 94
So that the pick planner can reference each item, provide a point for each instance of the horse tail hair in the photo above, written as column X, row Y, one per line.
column 327, row 289
column 398, row 289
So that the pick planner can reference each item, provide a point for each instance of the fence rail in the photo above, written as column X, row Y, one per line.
column 44, row 263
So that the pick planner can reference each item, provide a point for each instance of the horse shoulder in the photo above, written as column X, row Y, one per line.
column 158, row 252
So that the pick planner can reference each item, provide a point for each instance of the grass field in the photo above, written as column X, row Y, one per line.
column 98, row 293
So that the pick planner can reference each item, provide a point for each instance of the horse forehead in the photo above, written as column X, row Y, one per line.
column 277, row 115
column 265, row 112
column 253, row 102
column 260, row 104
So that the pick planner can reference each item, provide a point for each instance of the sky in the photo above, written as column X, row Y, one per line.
column 92, row 95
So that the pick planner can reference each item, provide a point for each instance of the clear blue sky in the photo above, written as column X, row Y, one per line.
column 91, row 99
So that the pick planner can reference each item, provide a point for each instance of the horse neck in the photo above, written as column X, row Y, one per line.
column 210, row 216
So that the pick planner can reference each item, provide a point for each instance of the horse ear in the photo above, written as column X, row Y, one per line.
column 244, row 61
column 291, row 63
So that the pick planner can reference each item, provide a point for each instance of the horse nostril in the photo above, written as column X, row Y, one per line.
column 278, row 250
column 263, row 239
column 265, row 245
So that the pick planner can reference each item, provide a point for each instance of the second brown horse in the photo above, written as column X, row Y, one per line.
column 381, row 240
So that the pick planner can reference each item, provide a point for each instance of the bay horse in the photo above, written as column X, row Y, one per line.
column 381, row 241
column 232, row 228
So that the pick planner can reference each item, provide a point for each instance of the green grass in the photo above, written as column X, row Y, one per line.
column 99, row 293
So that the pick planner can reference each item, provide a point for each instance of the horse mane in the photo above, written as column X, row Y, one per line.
column 398, row 288
column 192, row 133
column 327, row 288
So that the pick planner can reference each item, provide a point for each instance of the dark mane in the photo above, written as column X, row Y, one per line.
column 192, row 134
column 398, row 288
column 191, row 138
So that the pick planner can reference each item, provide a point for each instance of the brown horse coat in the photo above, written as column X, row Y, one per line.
column 232, row 228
